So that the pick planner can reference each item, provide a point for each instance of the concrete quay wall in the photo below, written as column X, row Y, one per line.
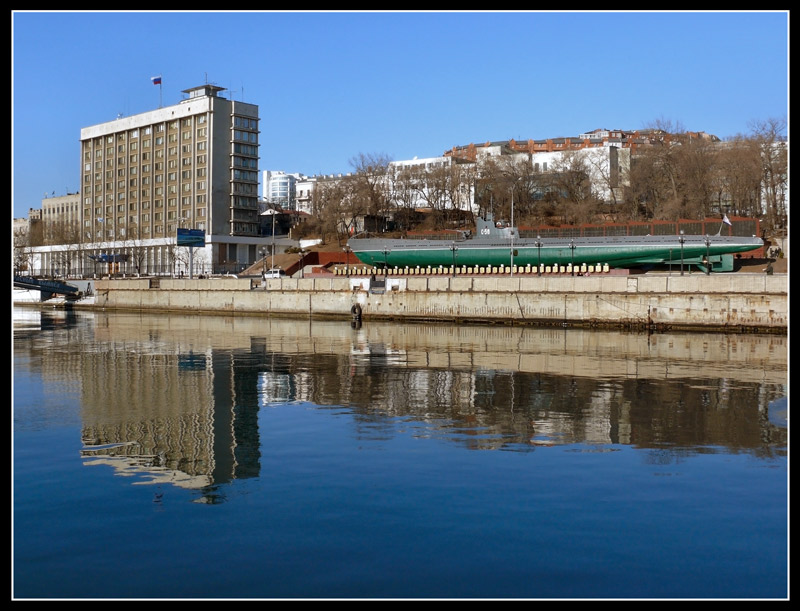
column 734, row 302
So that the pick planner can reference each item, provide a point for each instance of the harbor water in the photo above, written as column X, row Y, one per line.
column 166, row 456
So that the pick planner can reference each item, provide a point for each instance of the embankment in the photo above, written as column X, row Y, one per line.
column 739, row 302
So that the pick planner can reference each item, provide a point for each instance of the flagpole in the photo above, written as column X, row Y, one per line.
column 157, row 81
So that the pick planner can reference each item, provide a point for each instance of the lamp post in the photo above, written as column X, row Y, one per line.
column 263, row 263
column 385, row 265
column 454, row 250
column 302, row 270
column 512, row 226
column 539, row 250
column 681, row 239
column 708, row 258
column 272, row 261
column 572, row 249
column 347, row 260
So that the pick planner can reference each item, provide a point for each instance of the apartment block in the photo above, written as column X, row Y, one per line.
column 193, row 165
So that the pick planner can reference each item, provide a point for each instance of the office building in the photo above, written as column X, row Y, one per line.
column 193, row 165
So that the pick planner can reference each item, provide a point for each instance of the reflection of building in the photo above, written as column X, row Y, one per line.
column 177, row 399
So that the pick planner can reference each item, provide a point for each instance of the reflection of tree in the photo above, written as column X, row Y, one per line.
column 494, row 408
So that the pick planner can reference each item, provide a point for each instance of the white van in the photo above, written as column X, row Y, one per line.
column 274, row 273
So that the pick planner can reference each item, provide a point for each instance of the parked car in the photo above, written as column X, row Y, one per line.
column 274, row 273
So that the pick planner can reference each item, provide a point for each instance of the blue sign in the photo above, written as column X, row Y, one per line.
column 109, row 258
column 191, row 237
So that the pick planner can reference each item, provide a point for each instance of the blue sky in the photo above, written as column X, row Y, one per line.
column 333, row 85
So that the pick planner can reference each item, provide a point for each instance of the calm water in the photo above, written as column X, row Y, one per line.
column 213, row 457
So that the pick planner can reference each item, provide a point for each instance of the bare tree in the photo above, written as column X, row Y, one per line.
column 135, row 249
column 370, row 181
column 694, row 160
column 737, row 180
column 65, row 237
column 770, row 140
column 23, row 252
column 569, row 178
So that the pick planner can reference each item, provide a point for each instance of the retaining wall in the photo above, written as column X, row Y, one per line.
column 735, row 302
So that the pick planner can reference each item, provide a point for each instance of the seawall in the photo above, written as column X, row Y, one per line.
column 739, row 302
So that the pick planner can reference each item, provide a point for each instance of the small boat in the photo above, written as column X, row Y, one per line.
column 497, row 243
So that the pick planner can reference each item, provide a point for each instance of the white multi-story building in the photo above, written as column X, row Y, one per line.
column 193, row 165
column 279, row 188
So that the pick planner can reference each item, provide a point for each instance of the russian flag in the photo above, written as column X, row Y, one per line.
column 156, row 80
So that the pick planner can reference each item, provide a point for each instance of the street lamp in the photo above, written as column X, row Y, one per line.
column 539, row 250
column 263, row 263
column 512, row 225
column 272, row 262
column 572, row 248
column 347, row 260
column 454, row 250
column 681, row 239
